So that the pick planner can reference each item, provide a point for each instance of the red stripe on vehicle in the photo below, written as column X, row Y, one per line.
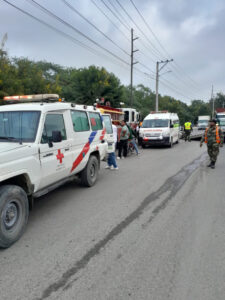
column 81, row 156
column 103, row 134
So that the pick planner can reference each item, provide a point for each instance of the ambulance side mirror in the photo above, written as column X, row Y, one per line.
column 171, row 125
column 56, row 136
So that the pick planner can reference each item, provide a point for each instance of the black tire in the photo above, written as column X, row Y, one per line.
column 90, row 173
column 178, row 140
column 14, row 212
column 171, row 143
column 143, row 146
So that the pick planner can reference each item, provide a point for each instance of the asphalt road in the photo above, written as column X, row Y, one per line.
column 153, row 230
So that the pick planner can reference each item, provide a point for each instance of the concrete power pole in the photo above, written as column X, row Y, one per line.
column 157, row 81
column 132, row 63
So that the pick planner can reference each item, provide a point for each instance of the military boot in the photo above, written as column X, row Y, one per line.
column 213, row 165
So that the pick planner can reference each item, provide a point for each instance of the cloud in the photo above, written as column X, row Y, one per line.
column 190, row 31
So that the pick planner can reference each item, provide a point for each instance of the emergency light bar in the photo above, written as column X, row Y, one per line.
column 32, row 98
column 159, row 112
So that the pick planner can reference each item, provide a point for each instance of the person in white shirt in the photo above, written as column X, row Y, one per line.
column 111, row 151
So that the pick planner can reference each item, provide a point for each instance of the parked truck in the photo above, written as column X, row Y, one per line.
column 203, row 122
column 220, row 116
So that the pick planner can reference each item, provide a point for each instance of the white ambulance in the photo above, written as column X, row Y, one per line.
column 160, row 128
column 44, row 144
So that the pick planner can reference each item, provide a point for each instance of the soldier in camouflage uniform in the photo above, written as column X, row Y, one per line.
column 213, row 137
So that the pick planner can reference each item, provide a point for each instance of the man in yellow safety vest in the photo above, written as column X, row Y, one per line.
column 187, row 131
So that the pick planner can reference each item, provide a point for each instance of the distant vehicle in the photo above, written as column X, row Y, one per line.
column 117, row 115
column 160, row 128
column 131, row 116
column 42, row 146
column 220, row 116
column 203, row 122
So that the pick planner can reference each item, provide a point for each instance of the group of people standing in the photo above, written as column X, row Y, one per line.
column 213, row 138
column 127, row 135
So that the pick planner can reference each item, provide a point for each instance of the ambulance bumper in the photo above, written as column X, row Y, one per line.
column 150, row 141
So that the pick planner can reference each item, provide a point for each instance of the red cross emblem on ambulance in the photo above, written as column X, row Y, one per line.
column 60, row 156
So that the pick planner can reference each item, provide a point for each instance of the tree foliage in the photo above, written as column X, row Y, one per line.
column 22, row 76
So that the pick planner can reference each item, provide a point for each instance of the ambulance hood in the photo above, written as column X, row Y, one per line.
column 10, row 152
column 8, row 147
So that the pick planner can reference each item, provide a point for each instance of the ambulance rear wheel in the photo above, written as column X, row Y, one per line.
column 90, row 174
column 14, row 212
column 171, row 142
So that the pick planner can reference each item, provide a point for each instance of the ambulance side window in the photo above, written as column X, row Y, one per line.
column 53, row 122
column 126, row 115
column 80, row 121
column 96, row 121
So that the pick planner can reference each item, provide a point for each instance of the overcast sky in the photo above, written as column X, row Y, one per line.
column 189, row 31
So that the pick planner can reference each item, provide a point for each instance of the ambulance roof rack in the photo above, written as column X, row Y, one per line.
column 32, row 98
column 159, row 112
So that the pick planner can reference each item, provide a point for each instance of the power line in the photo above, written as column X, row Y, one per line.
column 110, row 20
column 168, row 85
column 177, row 67
column 132, row 20
column 45, row 10
column 96, row 28
column 71, row 38
column 115, row 15
column 143, row 19
column 152, row 49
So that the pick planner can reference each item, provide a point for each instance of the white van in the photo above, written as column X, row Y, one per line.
column 160, row 128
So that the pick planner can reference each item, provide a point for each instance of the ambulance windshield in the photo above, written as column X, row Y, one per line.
column 19, row 126
column 155, row 123
column 221, row 120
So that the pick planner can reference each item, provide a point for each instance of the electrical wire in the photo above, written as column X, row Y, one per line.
column 115, row 15
column 177, row 67
column 71, row 38
column 143, row 33
column 96, row 28
column 45, row 10
column 110, row 20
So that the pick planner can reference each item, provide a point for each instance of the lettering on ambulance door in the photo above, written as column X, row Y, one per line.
column 54, row 150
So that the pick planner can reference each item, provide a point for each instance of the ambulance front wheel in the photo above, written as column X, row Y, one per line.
column 14, row 212
column 90, row 174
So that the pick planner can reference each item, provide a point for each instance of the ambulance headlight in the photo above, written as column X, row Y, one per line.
column 165, row 134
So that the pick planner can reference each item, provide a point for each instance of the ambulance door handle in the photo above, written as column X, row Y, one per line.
column 67, row 149
column 48, row 154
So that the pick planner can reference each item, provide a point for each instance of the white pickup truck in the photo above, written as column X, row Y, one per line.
column 44, row 144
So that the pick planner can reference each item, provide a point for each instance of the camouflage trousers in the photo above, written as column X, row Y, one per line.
column 213, row 151
column 187, row 135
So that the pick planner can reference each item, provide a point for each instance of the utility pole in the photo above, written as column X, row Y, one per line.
column 165, row 62
column 132, row 63
column 213, row 103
